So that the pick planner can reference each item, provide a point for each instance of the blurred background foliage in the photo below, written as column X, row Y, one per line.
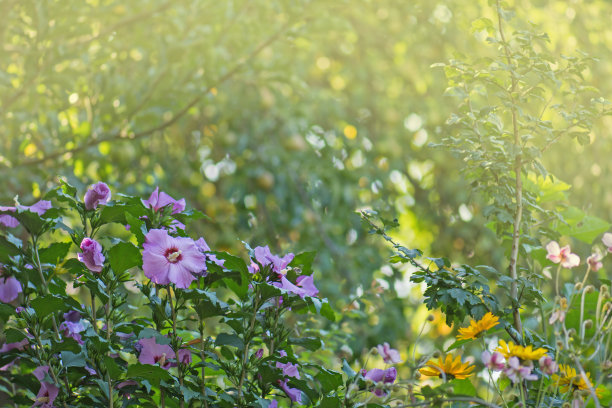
column 280, row 119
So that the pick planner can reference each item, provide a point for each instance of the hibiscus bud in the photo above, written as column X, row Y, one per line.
column 578, row 287
column 589, row 288
column 588, row 324
column 604, row 290
column 97, row 194
column 92, row 255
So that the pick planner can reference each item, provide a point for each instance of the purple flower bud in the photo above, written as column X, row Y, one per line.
column 92, row 255
column 548, row 365
column 259, row 353
column 97, row 194
column 389, row 355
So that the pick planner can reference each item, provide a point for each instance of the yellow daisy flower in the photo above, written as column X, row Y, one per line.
column 476, row 328
column 452, row 368
column 524, row 353
column 570, row 380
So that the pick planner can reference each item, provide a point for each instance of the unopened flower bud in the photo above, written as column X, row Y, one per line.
column 578, row 287
column 431, row 318
column 436, row 354
column 588, row 324
column 571, row 332
column 589, row 288
column 607, row 365
column 604, row 289
column 566, row 405
column 396, row 388
column 417, row 375
column 559, row 344
column 374, row 351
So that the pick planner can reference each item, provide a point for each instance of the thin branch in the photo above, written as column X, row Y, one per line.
column 518, row 165
column 123, row 135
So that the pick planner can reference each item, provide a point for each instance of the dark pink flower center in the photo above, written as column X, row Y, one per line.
column 173, row 255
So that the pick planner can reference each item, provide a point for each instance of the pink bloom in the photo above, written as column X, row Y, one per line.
column 204, row 248
column 293, row 393
column 159, row 200
column 97, row 194
column 48, row 391
column 493, row 361
column 14, row 346
column 607, row 241
column 548, row 365
column 167, row 259
column 10, row 288
column 282, row 353
column 289, row 370
column 92, row 255
column 562, row 255
column 72, row 325
column 184, row 356
column 594, row 261
column 39, row 208
column 153, row 353
column 389, row 355
column 259, row 353
column 305, row 286
column 516, row 372
column 276, row 263
column 377, row 375
column 273, row 404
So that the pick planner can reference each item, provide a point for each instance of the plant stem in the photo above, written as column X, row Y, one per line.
column 174, row 338
column 518, row 166
column 248, row 336
column 203, row 347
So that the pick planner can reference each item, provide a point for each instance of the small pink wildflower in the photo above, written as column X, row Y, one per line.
column 562, row 255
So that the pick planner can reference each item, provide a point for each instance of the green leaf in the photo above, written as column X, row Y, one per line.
column 124, row 256
column 112, row 367
column 225, row 339
column 70, row 359
column 456, row 344
column 55, row 252
column 310, row 343
column 463, row 387
column 47, row 304
column 152, row 373
column 329, row 380
column 586, row 229
column 304, row 261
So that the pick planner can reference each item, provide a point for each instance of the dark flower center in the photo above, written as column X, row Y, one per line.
column 173, row 255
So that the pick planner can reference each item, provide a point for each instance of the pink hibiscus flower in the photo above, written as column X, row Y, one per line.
column 168, row 259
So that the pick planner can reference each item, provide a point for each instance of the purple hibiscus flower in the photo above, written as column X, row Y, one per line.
column 97, row 194
column 289, row 370
column 92, row 255
column 294, row 394
column 305, row 286
column 10, row 288
column 266, row 258
column 159, row 200
column 153, row 353
column 48, row 391
column 39, row 208
column 72, row 325
column 168, row 259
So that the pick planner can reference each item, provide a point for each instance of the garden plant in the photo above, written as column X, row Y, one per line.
column 108, row 300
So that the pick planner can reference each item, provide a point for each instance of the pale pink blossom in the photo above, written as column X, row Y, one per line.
column 517, row 372
column 594, row 261
column 389, row 355
column 548, row 365
column 493, row 361
column 607, row 241
column 562, row 255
